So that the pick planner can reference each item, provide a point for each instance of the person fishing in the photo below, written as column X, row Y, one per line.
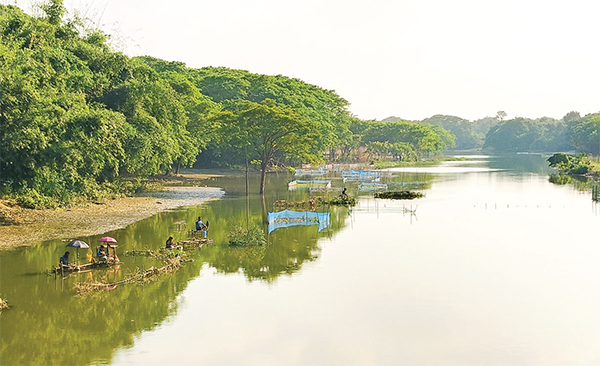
column 344, row 194
column 199, row 224
column 64, row 260
column 169, row 243
column 101, row 253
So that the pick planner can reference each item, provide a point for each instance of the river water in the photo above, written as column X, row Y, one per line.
column 495, row 266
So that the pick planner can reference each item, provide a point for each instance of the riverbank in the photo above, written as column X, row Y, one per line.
column 24, row 227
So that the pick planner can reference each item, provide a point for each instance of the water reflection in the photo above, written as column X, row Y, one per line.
column 482, row 273
column 442, row 169
column 88, row 330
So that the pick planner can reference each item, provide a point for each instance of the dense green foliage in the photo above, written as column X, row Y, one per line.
column 468, row 135
column 522, row 134
column 579, row 164
column 402, row 140
column 465, row 132
column 77, row 117
column 584, row 132
column 263, row 130
column 342, row 201
column 398, row 195
column 571, row 133
column 241, row 237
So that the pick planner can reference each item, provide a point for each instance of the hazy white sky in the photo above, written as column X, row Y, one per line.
column 405, row 58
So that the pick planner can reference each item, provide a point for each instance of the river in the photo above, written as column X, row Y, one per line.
column 495, row 266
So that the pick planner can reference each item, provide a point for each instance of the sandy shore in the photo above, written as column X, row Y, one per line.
column 23, row 227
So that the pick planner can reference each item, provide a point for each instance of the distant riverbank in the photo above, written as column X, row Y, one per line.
column 24, row 227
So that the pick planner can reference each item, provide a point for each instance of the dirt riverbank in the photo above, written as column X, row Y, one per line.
column 23, row 227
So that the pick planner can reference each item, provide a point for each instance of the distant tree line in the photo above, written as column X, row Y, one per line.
column 81, row 121
column 572, row 133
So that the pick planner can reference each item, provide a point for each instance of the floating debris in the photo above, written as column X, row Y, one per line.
column 342, row 201
column 3, row 305
column 194, row 242
column 307, row 204
column 141, row 253
column 151, row 274
column 410, row 210
column 314, row 202
column 399, row 195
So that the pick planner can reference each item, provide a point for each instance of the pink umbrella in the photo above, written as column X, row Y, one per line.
column 108, row 239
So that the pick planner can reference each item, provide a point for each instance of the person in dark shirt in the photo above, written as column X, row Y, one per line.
column 64, row 260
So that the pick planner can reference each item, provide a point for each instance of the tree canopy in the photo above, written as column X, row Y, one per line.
column 76, row 116
column 261, row 131
column 522, row 134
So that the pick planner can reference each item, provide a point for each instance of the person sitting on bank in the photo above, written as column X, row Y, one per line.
column 344, row 194
column 169, row 244
column 64, row 260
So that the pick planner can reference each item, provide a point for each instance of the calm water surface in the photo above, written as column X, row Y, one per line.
column 496, row 266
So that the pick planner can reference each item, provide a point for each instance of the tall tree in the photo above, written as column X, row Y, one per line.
column 260, row 131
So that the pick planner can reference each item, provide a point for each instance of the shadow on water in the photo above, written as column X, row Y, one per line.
column 63, row 329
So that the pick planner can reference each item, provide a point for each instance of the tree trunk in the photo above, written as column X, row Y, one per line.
column 263, row 173
column 247, row 183
column 265, row 213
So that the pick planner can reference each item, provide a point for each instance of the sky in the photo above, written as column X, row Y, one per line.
column 406, row 58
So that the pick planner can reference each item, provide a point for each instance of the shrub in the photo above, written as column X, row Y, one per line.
column 241, row 237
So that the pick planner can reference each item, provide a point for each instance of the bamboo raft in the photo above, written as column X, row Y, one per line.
column 172, row 259
column 74, row 268
column 308, row 204
column 139, row 276
column 194, row 242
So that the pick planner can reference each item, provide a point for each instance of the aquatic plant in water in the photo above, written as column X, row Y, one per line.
column 399, row 195
column 241, row 237
column 343, row 200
